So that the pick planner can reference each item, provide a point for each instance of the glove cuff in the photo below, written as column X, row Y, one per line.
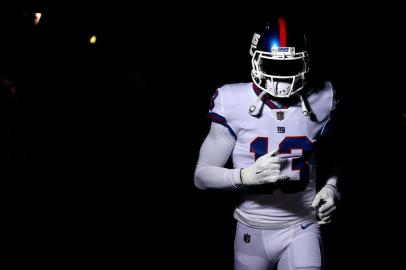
column 337, row 193
column 248, row 175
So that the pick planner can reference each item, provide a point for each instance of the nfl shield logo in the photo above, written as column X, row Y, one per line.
column 247, row 238
column 280, row 115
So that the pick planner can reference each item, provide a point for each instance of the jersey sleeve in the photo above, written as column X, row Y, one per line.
column 330, row 125
column 214, row 153
column 218, row 111
column 328, row 140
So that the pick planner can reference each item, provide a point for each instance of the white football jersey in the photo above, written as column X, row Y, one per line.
column 285, row 131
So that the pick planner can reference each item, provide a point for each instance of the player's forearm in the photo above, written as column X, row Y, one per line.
column 214, row 153
column 213, row 177
column 333, row 180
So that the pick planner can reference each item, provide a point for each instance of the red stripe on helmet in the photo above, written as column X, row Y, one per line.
column 282, row 32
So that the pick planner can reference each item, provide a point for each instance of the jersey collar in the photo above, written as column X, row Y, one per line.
column 267, row 99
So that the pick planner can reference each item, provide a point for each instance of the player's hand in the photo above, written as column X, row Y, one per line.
column 325, row 203
column 266, row 169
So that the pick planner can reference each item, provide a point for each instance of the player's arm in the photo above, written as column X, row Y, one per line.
column 214, row 153
column 329, row 195
column 327, row 198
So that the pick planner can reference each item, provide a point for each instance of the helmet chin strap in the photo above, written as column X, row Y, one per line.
column 274, row 85
column 305, row 109
column 278, row 88
column 270, row 86
column 254, row 107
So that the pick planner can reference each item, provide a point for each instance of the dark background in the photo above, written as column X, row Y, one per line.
column 99, row 142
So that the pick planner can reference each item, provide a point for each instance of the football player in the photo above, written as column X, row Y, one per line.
column 271, row 127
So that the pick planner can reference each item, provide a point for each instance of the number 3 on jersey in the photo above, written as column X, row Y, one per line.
column 259, row 147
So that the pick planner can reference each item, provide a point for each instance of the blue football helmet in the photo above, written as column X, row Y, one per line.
column 280, row 59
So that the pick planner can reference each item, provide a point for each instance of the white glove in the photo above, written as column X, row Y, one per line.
column 325, row 203
column 266, row 169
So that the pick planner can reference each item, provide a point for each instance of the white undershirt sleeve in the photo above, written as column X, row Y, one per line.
column 214, row 153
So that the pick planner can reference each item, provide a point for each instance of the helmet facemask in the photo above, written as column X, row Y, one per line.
column 281, row 72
